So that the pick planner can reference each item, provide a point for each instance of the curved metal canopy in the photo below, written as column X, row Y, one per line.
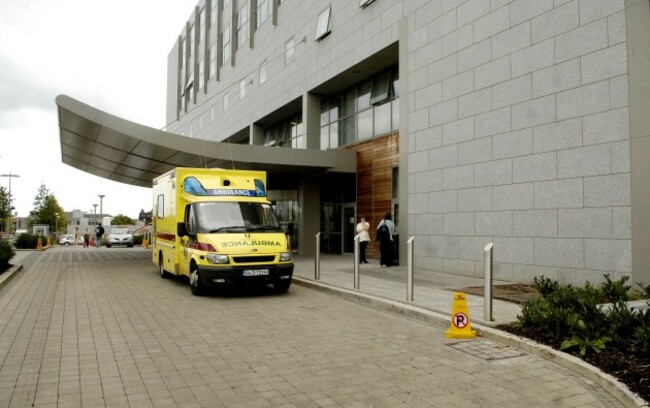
column 119, row 150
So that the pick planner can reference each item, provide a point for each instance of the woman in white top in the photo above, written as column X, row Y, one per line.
column 364, row 238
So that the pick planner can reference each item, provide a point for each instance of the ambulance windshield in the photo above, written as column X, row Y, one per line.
column 235, row 217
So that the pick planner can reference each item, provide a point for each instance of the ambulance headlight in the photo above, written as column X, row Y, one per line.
column 285, row 256
column 217, row 258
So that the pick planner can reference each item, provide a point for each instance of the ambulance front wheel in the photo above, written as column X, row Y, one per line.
column 195, row 283
column 282, row 286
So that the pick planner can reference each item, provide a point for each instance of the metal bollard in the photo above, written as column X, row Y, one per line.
column 409, row 270
column 487, row 285
column 317, row 258
column 356, row 261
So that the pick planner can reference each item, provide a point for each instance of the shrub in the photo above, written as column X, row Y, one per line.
column 6, row 253
column 137, row 239
column 28, row 241
column 571, row 317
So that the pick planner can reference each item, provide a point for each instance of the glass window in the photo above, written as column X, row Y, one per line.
column 213, row 12
column 380, row 89
column 382, row 119
column 160, row 207
column 263, row 11
column 243, row 17
column 365, row 124
column 225, row 102
column 201, row 75
column 335, row 109
column 363, row 100
column 289, row 51
column 190, row 51
column 183, row 52
column 349, row 102
column 226, row 44
column 263, row 73
column 348, row 131
column 212, row 69
column 334, row 135
column 395, row 83
column 323, row 24
column 324, row 113
column 202, row 26
column 324, row 137
column 242, row 89
column 395, row 113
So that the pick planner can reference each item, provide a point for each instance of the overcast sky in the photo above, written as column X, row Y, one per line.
column 111, row 55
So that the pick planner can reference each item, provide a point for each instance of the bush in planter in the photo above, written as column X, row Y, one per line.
column 28, row 241
column 6, row 253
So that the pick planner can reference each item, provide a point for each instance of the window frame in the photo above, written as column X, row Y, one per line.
column 323, row 24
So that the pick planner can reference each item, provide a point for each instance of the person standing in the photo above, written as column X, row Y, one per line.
column 99, row 232
column 86, row 238
column 364, row 238
column 385, row 232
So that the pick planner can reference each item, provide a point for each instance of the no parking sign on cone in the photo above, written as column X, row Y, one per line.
column 460, row 327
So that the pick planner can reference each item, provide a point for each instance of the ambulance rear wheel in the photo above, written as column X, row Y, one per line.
column 161, row 268
column 282, row 286
column 195, row 282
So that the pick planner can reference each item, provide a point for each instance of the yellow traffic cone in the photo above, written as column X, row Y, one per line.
column 460, row 327
column 145, row 243
column 39, row 244
column 49, row 242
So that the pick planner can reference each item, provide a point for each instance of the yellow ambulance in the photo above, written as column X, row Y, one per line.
column 217, row 227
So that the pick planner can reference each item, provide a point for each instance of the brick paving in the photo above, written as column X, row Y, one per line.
column 98, row 327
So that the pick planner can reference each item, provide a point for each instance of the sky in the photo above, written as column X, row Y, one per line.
column 111, row 55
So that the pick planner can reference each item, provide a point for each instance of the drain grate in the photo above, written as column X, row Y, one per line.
column 487, row 349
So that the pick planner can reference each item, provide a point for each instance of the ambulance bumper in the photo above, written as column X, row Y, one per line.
column 224, row 275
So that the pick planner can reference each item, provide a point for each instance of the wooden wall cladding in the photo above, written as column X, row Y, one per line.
column 375, row 161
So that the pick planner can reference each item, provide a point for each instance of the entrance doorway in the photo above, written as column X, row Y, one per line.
column 349, row 227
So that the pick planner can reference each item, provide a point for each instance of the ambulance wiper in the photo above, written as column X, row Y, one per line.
column 230, row 228
column 264, row 228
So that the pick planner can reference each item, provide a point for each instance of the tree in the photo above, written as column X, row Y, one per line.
column 122, row 219
column 46, row 209
column 6, row 209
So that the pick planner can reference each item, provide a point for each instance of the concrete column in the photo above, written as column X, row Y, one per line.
column 403, row 192
column 311, row 120
column 309, row 218
column 256, row 135
column 637, row 16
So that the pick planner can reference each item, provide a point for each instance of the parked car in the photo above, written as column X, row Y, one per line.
column 119, row 236
column 68, row 239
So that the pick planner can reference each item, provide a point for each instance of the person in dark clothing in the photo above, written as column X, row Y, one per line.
column 385, row 233
column 99, row 232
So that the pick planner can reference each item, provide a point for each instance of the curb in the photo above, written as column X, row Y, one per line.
column 6, row 276
column 610, row 384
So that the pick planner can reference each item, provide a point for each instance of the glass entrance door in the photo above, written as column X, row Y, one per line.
column 349, row 227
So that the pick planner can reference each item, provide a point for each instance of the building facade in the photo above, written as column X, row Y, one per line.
column 518, row 122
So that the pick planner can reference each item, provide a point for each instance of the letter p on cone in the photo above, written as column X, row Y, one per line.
column 460, row 327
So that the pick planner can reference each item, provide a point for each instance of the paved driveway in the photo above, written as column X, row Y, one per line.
column 98, row 327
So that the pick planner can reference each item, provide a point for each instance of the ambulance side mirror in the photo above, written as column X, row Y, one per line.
column 181, row 229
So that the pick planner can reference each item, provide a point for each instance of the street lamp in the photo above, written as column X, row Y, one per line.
column 56, row 227
column 101, row 211
column 95, row 216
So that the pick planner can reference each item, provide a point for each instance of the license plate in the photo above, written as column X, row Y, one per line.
column 255, row 272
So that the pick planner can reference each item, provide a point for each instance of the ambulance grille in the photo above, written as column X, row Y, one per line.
column 253, row 259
